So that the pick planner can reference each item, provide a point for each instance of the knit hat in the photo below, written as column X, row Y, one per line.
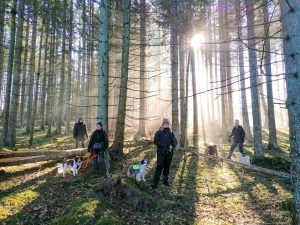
column 99, row 123
column 165, row 121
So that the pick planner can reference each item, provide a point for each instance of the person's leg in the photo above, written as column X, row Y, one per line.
column 166, row 169
column 241, row 145
column 159, row 168
column 231, row 149
column 77, row 143
column 82, row 143
column 95, row 162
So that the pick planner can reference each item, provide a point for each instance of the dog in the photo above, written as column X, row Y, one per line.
column 212, row 150
column 243, row 159
column 138, row 170
column 70, row 164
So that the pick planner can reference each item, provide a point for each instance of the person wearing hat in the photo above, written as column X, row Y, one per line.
column 166, row 142
column 80, row 132
column 97, row 147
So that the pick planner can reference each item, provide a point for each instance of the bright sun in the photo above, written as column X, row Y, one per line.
column 197, row 40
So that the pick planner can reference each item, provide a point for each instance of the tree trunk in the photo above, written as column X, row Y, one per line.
column 272, row 143
column 2, row 28
column 16, row 78
column 69, row 81
column 174, row 68
column 102, row 112
column 290, row 15
column 183, row 112
column 36, row 92
column 117, row 147
column 24, row 71
column 258, row 147
column 9, row 76
column 31, row 66
column 61, row 97
column 245, row 115
column 195, row 103
column 83, row 67
column 142, row 111
column 263, row 103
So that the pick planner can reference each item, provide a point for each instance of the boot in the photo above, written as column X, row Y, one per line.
column 166, row 181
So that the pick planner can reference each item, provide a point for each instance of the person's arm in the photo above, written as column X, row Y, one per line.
column 157, row 140
column 230, row 135
column 85, row 131
column 243, row 133
column 91, row 142
column 174, row 141
column 75, row 131
column 105, row 140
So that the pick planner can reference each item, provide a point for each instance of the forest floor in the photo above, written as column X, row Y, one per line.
column 202, row 192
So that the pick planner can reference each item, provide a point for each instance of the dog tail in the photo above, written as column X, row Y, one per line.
column 60, row 169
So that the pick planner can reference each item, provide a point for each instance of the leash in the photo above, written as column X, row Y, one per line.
column 88, row 155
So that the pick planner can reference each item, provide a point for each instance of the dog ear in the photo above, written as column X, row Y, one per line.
column 143, row 162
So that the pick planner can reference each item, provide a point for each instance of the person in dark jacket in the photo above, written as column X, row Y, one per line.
column 166, row 142
column 238, row 134
column 80, row 133
column 98, row 147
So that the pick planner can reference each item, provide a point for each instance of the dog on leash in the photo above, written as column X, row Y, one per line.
column 212, row 150
column 138, row 170
column 70, row 164
column 243, row 159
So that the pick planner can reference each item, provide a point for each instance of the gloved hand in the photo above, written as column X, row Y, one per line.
column 229, row 139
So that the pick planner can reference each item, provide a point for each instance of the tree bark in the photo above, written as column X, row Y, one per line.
column 2, row 36
column 102, row 112
column 24, row 72
column 258, row 147
column 272, row 142
column 174, row 68
column 290, row 15
column 142, row 111
column 195, row 103
column 31, row 66
column 16, row 77
column 10, row 64
column 117, row 147
column 246, row 123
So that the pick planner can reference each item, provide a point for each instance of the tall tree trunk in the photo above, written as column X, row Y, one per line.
column 117, row 147
column 222, row 68
column 16, row 77
column 102, row 112
column 142, row 111
column 228, row 67
column 195, row 103
column 174, row 68
column 9, row 76
column 31, row 66
column 183, row 113
column 290, row 15
column 258, row 147
column 61, row 97
column 263, row 103
column 50, row 96
column 69, row 81
column 36, row 92
column 272, row 143
column 83, row 67
column 245, row 114
column 185, row 116
column 24, row 71
column 2, row 28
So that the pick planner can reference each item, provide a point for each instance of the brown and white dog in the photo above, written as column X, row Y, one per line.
column 70, row 164
column 212, row 150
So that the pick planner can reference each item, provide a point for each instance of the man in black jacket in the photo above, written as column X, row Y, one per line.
column 166, row 142
column 80, row 132
column 238, row 134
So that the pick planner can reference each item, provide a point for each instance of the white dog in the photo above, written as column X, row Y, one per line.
column 70, row 164
column 243, row 159
column 138, row 170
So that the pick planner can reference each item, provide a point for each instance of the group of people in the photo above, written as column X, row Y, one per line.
column 164, row 139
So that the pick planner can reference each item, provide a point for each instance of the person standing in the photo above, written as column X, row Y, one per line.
column 166, row 142
column 80, row 133
column 98, row 148
column 238, row 134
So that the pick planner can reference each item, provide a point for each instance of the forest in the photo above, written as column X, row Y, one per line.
column 206, row 92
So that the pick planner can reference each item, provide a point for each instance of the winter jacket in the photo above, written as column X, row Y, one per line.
column 163, row 139
column 79, row 131
column 98, row 136
column 238, row 133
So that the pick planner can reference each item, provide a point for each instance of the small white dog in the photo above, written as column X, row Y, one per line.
column 70, row 164
column 243, row 159
column 138, row 170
